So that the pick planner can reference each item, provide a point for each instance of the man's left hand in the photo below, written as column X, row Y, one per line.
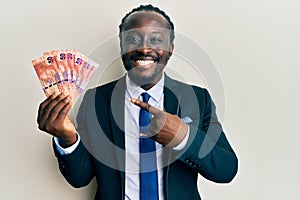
column 167, row 129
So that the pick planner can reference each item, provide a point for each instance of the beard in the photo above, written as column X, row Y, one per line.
column 144, row 81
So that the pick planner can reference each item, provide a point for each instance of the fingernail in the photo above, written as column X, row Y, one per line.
column 133, row 100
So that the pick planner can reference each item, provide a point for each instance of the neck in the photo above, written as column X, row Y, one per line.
column 148, row 86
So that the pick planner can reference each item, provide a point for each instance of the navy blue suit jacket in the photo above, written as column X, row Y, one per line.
column 101, row 154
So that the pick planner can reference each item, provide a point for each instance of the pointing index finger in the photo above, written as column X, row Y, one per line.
column 151, row 109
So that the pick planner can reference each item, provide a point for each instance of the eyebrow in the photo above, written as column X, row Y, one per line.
column 154, row 32
column 135, row 31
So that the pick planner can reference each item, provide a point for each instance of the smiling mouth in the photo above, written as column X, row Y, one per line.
column 144, row 62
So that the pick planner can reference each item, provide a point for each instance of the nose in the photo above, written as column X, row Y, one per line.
column 144, row 47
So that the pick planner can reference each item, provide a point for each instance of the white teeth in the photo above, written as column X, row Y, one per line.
column 145, row 62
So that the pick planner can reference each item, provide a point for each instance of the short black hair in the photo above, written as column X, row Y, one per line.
column 149, row 7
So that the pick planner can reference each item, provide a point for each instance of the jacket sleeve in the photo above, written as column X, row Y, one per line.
column 77, row 167
column 208, row 151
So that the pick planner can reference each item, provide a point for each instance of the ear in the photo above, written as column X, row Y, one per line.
column 171, row 49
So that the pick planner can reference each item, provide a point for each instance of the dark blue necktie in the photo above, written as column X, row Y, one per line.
column 148, row 168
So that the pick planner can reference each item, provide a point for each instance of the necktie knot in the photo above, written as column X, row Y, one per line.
column 146, row 97
column 144, row 115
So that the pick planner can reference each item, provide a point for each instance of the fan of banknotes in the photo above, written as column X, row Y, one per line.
column 64, row 71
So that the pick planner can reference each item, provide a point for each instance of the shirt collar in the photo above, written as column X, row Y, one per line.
column 155, row 92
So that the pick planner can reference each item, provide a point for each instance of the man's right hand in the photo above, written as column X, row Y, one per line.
column 53, row 118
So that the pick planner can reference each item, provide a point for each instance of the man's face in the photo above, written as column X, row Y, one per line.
column 146, row 47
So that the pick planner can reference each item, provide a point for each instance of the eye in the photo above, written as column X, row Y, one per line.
column 156, row 40
column 133, row 39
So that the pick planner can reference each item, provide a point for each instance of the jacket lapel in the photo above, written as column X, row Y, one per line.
column 116, row 119
column 172, row 106
column 171, row 97
column 116, row 107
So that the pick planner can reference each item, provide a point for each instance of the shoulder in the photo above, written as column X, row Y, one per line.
column 100, row 93
column 107, row 87
column 185, row 87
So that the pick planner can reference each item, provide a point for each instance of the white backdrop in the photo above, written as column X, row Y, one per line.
column 254, row 44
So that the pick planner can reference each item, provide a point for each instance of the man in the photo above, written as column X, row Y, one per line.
column 114, row 129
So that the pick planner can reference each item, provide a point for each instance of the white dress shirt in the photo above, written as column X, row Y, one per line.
column 132, row 181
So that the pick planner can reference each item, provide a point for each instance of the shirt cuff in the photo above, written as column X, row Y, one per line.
column 182, row 144
column 66, row 151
